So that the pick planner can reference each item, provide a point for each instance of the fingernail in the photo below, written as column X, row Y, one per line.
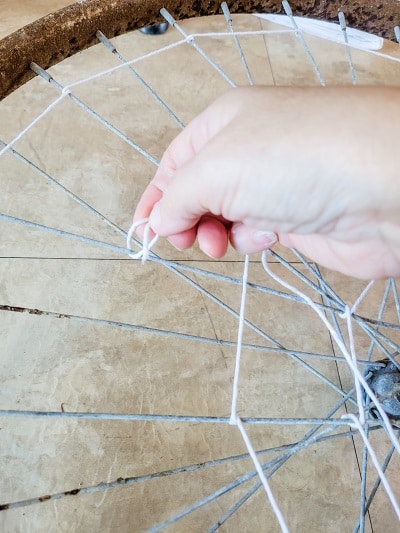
column 207, row 253
column 155, row 217
column 266, row 238
column 174, row 245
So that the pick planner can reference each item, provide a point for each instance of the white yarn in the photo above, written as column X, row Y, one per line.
column 67, row 89
column 350, row 356
column 187, row 39
column 356, row 424
column 147, row 245
column 359, row 300
column 239, row 342
column 358, row 377
column 262, row 477
column 35, row 121
column 359, row 394
column 144, row 255
column 235, row 420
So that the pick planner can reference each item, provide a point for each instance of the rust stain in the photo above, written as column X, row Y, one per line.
column 73, row 492
column 38, row 312
column 21, row 310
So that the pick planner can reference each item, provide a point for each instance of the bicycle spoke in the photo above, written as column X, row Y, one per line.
column 340, row 364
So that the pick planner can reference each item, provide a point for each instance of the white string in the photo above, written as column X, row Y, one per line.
column 35, row 121
column 350, row 358
column 144, row 255
column 147, row 245
column 356, row 424
column 359, row 300
column 235, row 388
column 262, row 477
column 67, row 88
column 343, row 348
column 356, row 373
column 187, row 39
column 235, row 420
column 360, row 403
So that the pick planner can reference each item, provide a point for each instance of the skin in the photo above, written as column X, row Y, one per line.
column 316, row 168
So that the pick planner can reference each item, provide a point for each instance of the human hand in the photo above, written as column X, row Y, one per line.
column 317, row 169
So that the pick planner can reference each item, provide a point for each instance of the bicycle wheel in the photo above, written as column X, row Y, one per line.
column 87, row 330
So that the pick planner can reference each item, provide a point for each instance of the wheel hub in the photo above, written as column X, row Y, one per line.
column 385, row 384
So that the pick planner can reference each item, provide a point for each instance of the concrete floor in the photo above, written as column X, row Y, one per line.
column 53, row 363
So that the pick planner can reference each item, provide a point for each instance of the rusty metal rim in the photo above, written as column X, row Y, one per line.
column 59, row 35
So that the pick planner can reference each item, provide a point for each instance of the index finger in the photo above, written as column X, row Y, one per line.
column 183, row 148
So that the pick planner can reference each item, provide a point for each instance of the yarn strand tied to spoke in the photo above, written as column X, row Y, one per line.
column 147, row 244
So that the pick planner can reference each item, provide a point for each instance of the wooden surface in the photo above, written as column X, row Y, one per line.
column 73, row 29
column 58, row 364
